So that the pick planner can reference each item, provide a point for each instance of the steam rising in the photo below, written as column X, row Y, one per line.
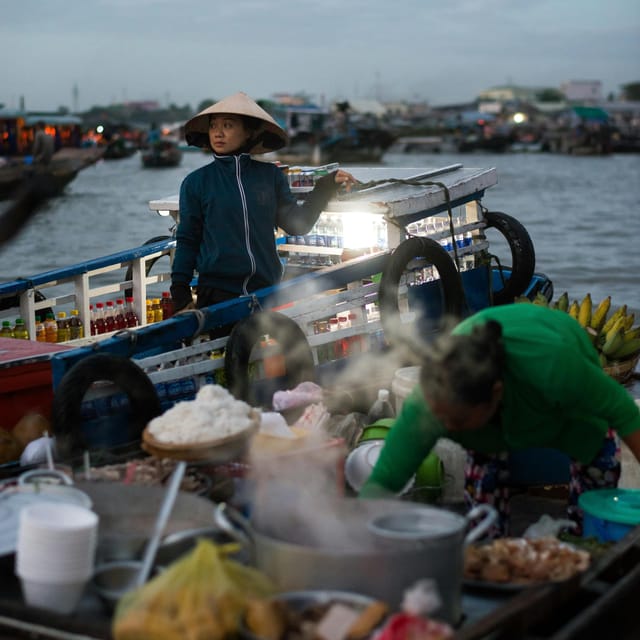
column 297, row 496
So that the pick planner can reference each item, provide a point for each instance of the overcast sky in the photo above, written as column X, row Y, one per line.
column 185, row 51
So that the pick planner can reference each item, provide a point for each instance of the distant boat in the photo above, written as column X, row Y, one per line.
column 120, row 148
column 52, row 178
column 164, row 153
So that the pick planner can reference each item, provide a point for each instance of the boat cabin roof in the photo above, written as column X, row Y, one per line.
column 406, row 193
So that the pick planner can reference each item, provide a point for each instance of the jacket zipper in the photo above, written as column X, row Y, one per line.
column 245, row 214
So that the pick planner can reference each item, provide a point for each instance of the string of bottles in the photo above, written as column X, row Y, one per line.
column 159, row 308
column 327, row 232
column 343, row 346
column 18, row 330
column 113, row 316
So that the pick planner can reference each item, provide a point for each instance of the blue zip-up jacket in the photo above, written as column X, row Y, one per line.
column 229, row 210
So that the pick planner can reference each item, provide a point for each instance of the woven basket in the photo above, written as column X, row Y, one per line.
column 623, row 369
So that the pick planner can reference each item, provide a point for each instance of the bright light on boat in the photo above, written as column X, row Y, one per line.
column 99, row 129
column 164, row 212
column 362, row 230
column 519, row 117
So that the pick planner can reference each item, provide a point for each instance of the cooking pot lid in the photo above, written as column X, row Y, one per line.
column 414, row 524
column 616, row 505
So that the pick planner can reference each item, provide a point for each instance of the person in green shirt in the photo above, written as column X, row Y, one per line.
column 507, row 378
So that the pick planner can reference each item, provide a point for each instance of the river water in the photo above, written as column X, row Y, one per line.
column 582, row 213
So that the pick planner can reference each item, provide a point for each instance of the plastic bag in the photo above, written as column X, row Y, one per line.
column 547, row 526
column 201, row 596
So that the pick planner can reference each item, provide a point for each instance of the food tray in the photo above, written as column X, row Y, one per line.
column 216, row 451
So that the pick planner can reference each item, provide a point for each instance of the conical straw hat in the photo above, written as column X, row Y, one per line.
column 269, row 137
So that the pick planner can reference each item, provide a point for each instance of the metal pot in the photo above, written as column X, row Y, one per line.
column 361, row 560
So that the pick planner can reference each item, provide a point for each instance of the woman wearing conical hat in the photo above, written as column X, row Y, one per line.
column 230, row 208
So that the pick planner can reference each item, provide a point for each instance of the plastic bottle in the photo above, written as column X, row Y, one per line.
column 76, row 329
column 50, row 328
column 92, row 320
column 110, row 316
column 6, row 331
column 381, row 408
column 20, row 330
column 119, row 315
column 130, row 315
column 63, row 327
column 157, row 310
column 101, row 326
column 166, row 304
column 273, row 358
column 40, row 333
column 150, row 313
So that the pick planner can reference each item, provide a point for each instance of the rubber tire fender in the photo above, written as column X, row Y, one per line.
column 247, row 332
column 451, row 286
column 523, row 255
column 14, row 301
column 66, row 418
column 147, row 267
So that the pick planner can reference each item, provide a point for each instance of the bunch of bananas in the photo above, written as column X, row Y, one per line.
column 613, row 334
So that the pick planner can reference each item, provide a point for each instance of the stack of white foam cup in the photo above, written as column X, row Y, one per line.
column 55, row 554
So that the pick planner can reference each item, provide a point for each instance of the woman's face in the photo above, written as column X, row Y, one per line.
column 227, row 134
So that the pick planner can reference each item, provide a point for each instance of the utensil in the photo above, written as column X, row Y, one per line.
column 161, row 522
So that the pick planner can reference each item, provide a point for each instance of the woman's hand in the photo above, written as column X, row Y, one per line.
column 345, row 179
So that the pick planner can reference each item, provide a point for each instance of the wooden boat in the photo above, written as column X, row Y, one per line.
column 164, row 153
column 52, row 178
column 311, row 293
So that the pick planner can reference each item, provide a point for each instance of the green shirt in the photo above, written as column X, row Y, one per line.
column 556, row 395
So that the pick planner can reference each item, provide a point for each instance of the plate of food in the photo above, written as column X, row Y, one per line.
column 509, row 564
column 214, row 427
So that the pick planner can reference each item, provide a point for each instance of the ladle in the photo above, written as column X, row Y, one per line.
column 161, row 522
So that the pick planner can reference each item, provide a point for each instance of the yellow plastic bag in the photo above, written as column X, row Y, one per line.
column 201, row 596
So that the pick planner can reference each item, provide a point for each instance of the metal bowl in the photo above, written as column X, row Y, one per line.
column 112, row 580
column 360, row 462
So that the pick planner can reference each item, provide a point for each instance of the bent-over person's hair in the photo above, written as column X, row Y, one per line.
column 462, row 369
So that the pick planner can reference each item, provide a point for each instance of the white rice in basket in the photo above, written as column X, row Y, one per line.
column 213, row 414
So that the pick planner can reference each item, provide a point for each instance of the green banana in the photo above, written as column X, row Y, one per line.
column 574, row 309
column 632, row 334
column 599, row 315
column 614, row 338
column 584, row 311
column 620, row 311
column 540, row 300
column 626, row 349
column 629, row 320
column 563, row 302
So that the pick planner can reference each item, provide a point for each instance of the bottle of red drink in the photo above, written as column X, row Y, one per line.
column 101, row 326
column 166, row 304
column 92, row 320
column 130, row 315
column 110, row 316
column 120, row 320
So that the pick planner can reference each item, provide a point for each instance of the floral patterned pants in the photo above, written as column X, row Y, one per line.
column 487, row 481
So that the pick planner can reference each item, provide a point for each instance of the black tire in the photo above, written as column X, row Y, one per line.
column 451, row 289
column 66, row 414
column 247, row 333
column 523, row 256
column 14, row 301
column 147, row 268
